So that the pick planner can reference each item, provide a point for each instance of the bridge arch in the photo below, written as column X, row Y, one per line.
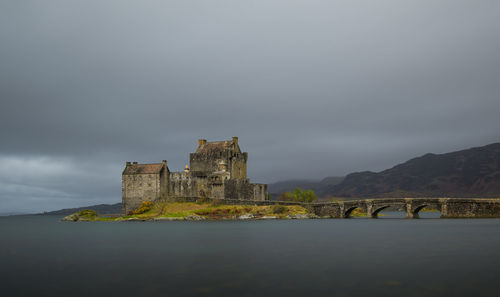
column 415, row 211
column 419, row 208
column 348, row 211
column 377, row 209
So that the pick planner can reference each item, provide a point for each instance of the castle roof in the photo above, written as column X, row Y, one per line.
column 143, row 168
column 216, row 146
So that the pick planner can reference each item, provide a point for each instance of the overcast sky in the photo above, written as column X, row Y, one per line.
column 312, row 88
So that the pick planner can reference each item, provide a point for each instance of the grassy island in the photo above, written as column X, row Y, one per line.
column 170, row 211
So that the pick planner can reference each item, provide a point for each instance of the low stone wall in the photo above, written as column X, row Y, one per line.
column 234, row 201
column 471, row 208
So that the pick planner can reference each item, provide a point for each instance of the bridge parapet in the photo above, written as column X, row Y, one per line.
column 449, row 207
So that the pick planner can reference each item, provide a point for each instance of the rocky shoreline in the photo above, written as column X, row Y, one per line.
column 198, row 212
column 242, row 217
column 246, row 217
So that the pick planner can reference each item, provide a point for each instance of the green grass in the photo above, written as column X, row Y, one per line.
column 208, row 211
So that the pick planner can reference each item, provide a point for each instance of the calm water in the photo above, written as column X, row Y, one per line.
column 40, row 256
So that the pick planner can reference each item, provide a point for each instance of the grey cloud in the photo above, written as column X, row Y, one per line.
column 312, row 88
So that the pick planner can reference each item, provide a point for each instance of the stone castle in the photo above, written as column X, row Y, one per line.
column 217, row 170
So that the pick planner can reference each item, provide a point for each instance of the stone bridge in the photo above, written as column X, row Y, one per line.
column 449, row 207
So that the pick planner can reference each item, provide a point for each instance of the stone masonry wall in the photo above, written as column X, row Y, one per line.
column 243, row 190
column 471, row 208
column 259, row 191
column 238, row 166
column 137, row 188
column 449, row 207
column 238, row 189
column 180, row 185
column 207, row 162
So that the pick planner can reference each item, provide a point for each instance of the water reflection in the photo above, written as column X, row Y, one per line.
column 434, row 214
column 390, row 256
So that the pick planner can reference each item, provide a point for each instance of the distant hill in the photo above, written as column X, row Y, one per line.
column 473, row 172
column 101, row 209
column 321, row 188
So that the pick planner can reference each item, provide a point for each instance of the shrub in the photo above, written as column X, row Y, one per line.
column 88, row 213
column 145, row 206
column 285, row 197
column 299, row 195
column 278, row 209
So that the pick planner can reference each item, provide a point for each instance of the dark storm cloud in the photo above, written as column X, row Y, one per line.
column 312, row 88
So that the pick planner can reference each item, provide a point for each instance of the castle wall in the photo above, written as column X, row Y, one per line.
column 164, row 182
column 183, row 184
column 217, row 190
column 207, row 162
column 238, row 166
column 180, row 185
column 259, row 192
column 243, row 190
column 137, row 188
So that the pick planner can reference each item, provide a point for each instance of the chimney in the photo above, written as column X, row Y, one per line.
column 235, row 141
column 128, row 164
column 201, row 142
column 135, row 163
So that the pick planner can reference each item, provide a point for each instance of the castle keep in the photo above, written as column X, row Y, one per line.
column 217, row 170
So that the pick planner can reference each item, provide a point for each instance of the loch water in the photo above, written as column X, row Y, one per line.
column 390, row 256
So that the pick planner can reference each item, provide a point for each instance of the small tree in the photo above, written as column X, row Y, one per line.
column 299, row 195
column 286, row 196
column 145, row 206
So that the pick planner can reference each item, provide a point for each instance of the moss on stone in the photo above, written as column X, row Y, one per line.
column 83, row 215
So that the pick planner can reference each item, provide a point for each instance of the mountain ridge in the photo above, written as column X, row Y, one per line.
column 465, row 173
column 99, row 208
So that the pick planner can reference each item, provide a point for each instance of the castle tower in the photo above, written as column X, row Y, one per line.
column 207, row 157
